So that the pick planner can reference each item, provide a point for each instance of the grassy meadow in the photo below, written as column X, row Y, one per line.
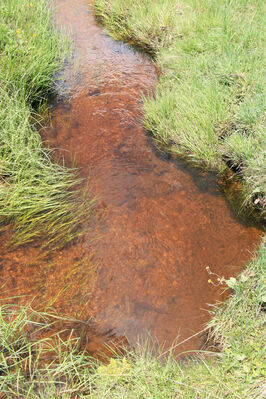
column 37, row 196
column 209, row 104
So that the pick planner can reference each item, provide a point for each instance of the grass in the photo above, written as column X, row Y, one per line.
column 209, row 105
column 33, row 367
column 37, row 197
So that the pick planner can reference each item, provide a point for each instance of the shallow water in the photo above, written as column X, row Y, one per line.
column 159, row 222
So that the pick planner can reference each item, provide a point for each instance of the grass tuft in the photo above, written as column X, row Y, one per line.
column 37, row 197
column 34, row 367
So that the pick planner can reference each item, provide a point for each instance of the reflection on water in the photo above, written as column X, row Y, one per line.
column 159, row 223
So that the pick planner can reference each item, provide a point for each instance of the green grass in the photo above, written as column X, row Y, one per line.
column 37, row 197
column 34, row 367
column 209, row 105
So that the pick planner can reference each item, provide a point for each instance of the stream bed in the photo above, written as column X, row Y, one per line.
column 141, row 268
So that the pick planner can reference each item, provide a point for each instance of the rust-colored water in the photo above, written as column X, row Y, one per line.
column 160, row 223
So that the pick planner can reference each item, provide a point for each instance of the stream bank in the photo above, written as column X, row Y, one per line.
column 141, row 267
column 68, row 280
column 37, row 196
column 209, row 105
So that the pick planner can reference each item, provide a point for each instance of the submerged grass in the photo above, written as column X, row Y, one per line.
column 33, row 367
column 52, row 368
column 209, row 105
column 37, row 197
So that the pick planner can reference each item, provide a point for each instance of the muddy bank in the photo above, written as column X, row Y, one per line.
column 141, row 268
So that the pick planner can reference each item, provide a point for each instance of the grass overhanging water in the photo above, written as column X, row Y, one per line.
column 209, row 105
column 206, row 108
column 37, row 196
column 53, row 368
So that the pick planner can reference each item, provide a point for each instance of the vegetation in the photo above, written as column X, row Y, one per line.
column 209, row 105
column 36, row 196
column 32, row 367
column 55, row 368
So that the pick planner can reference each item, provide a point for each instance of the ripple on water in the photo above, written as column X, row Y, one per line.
column 159, row 222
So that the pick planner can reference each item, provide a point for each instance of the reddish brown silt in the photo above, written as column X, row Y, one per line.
column 160, row 222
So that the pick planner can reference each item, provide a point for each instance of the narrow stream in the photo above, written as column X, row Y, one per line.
column 141, row 268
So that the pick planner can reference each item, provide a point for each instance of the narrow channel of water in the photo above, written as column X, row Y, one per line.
column 142, row 266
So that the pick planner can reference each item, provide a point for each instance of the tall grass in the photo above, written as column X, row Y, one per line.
column 34, row 367
column 37, row 196
column 210, row 102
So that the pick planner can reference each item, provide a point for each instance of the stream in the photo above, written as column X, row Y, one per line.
column 140, row 270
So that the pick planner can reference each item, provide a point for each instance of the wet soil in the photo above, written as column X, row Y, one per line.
column 141, row 268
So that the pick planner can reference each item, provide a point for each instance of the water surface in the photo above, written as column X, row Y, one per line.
column 158, row 224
